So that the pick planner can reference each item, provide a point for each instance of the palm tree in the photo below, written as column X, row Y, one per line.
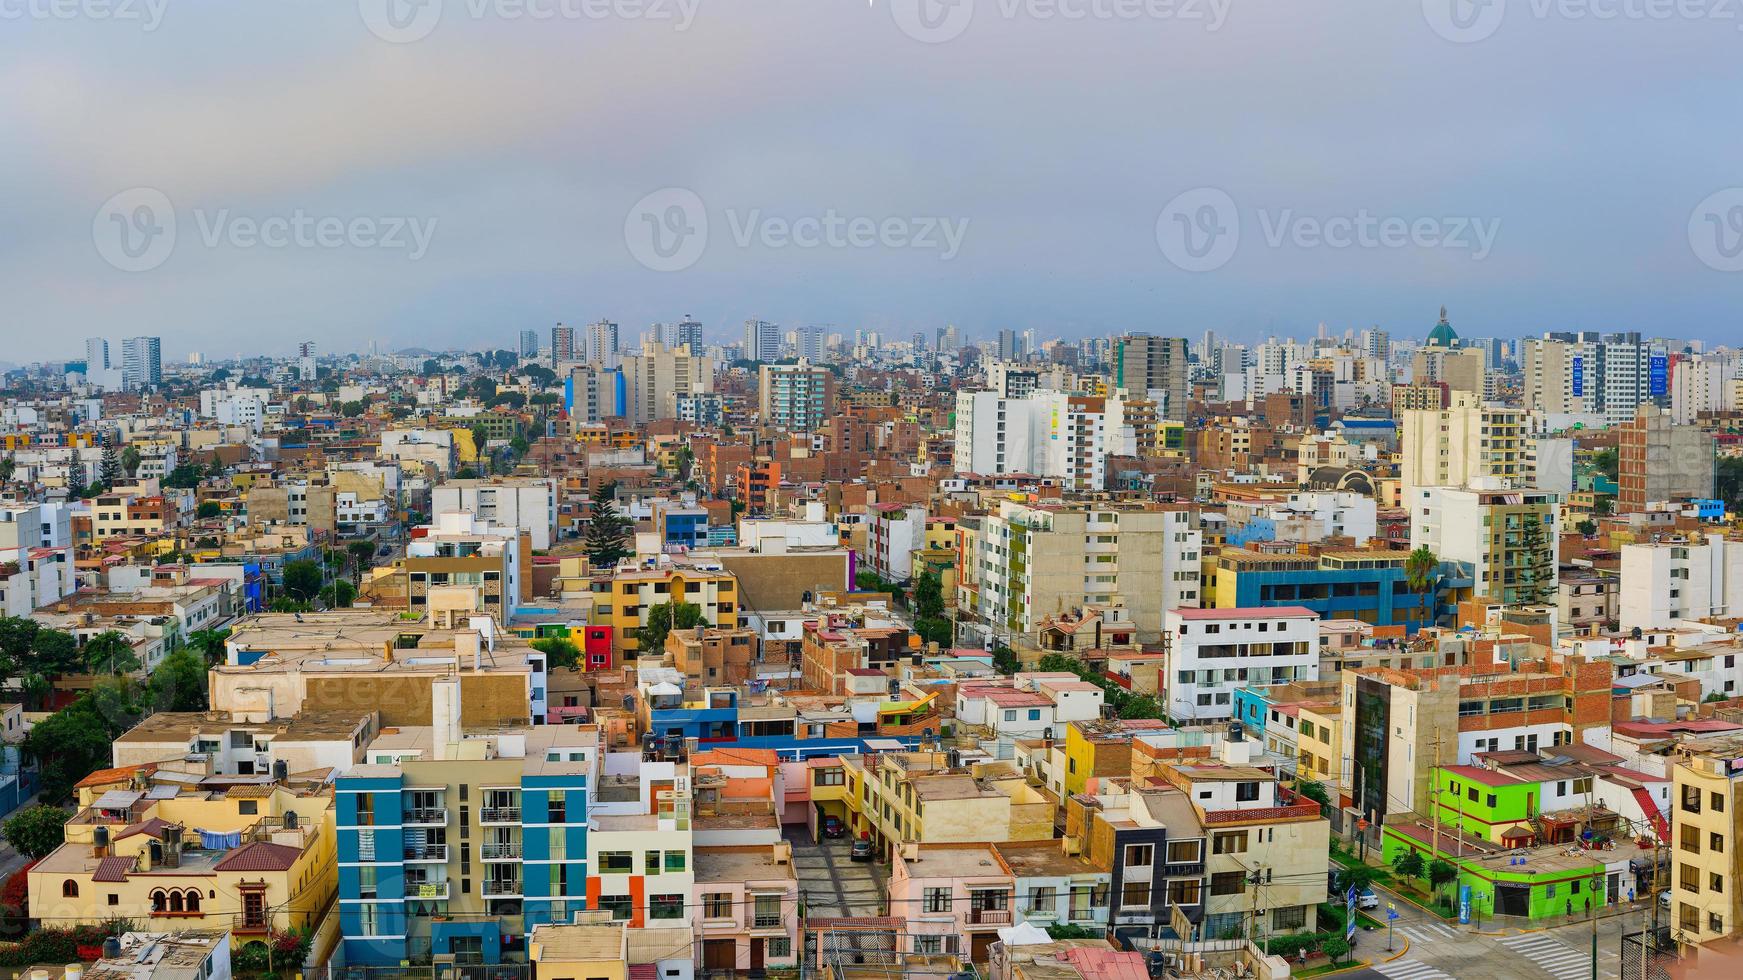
column 1421, row 574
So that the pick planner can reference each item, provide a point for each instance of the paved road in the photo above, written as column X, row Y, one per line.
column 832, row 884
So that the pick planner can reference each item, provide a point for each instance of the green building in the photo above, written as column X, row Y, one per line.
column 1538, row 883
column 1485, row 803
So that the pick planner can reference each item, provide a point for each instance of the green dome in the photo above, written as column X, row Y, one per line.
column 1443, row 335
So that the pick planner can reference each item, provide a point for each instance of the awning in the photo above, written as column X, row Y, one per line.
column 117, row 799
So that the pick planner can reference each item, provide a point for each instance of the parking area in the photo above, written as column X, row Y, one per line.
column 832, row 885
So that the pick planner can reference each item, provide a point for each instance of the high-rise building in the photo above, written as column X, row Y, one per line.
column 1150, row 365
column 762, row 341
column 1515, row 562
column 1608, row 375
column 141, row 362
column 798, row 398
column 306, row 369
column 529, row 343
column 811, row 342
column 1058, row 434
column 602, row 343
column 1467, row 441
column 96, row 355
column 656, row 376
column 1658, row 460
column 1011, row 346
column 688, row 333
column 562, row 344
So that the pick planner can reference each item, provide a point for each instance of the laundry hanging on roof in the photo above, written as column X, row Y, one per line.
column 212, row 840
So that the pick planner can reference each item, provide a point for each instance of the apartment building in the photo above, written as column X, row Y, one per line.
column 1706, row 903
column 1665, row 584
column 460, row 843
column 1215, row 651
column 1156, row 849
column 622, row 600
column 931, row 798
column 710, row 657
column 893, row 533
column 1369, row 586
column 523, row 503
column 1513, row 561
column 1467, row 441
column 1032, row 562
column 657, row 377
column 795, row 397
column 1154, row 366
column 954, row 897
column 1057, row 434
column 462, row 562
column 1659, row 460
column 746, row 905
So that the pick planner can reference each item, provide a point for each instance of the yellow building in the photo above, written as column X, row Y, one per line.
column 579, row 952
column 918, row 796
column 623, row 601
column 251, row 859
column 1704, row 898
column 1319, row 742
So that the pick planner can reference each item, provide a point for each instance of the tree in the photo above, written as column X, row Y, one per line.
column 559, row 651
column 209, row 644
column 1440, row 872
column 1314, row 791
column 1587, row 527
column 1422, row 573
column 663, row 619
column 1607, row 462
column 607, row 538
column 1005, row 660
column 302, row 580
column 344, row 593
column 178, row 683
column 1361, row 876
column 1335, row 947
column 1537, row 573
column 130, row 460
column 928, row 595
column 352, row 410
column 17, row 637
column 8, row 466
column 465, row 473
column 74, row 742
column 208, row 509
column 483, row 389
column 1408, row 864
column 185, row 476
column 110, row 468
column 110, row 652
column 36, row 831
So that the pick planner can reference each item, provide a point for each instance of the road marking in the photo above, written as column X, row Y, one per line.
column 1426, row 932
column 1553, row 957
column 1411, row 970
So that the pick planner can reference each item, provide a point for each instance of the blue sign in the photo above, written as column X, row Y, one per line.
column 1391, row 913
column 1658, row 375
column 1350, row 931
column 1579, row 377
column 1464, row 905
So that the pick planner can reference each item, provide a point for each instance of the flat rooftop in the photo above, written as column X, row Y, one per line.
column 740, row 864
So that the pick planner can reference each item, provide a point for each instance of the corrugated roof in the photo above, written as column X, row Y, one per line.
column 113, row 869
column 260, row 856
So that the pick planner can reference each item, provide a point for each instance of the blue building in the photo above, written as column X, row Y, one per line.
column 1365, row 585
column 457, row 844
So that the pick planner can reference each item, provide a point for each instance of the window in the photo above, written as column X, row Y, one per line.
column 717, row 905
column 1691, row 839
column 1689, row 879
column 114, row 899
column 69, row 889
column 651, row 863
column 1185, row 851
column 1140, row 855
column 1715, row 922
column 1043, row 899
column 1688, row 917
column 1246, row 792
column 555, row 810
column 780, row 947
column 247, row 807
column 365, row 809
column 1135, row 895
column 616, row 862
column 621, row 906
column 1716, row 843
column 828, row 777
column 936, row 900
column 1234, row 842
column 675, row 861
column 1715, row 883
column 1691, row 799
column 1718, row 801
column 1183, row 891
column 666, row 907
column 1293, row 917
column 1228, row 883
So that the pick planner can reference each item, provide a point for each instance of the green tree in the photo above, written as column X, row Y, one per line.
column 1422, row 575
column 663, row 619
column 1607, row 462
column 185, row 476
column 302, row 580
column 1587, row 527
column 929, row 595
column 110, row 467
column 178, row 683
column 1005, row 660
column 1335, row 947
column 559, row 651
column 208, row 509
column 513, row 399
column 130, row 460
column 606, row 539
column 362, row 553
column 74, row 742
column 1314, row 791
column 1362, row 876
column 1440, row 873
column 352, row 410
column 465, row 473
column 1537, row 573
column 36, row 831
column 339, row 594
column 209, row 644
column 1408, row 864
column 110, row 652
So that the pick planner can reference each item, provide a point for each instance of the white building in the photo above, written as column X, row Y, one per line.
column 895, row 531
column 233, row 405
column 1489, row 528
column 1053, row 433
column 1664, row 583
column 1215, row 651
column 529, row 504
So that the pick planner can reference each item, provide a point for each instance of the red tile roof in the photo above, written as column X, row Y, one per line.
column 103, row 777
column 260, row 856
column 113, row 869
column 154, row 827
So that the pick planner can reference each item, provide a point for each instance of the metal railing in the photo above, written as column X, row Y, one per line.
column 499, row 814
column 428, row 852
column 507, row 850
column 427, row 814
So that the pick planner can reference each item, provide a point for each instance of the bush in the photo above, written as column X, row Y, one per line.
column 1289, row 945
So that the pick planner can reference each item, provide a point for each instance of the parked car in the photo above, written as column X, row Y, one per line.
column 1367, row 899
column 833, row 827
column 862, row 851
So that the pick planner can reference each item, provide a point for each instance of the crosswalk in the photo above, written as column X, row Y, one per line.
column 1420, row 933
column 1559, row 961
column 1411, row 970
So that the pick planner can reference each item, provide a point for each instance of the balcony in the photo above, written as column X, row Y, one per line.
column 427, row 891
column 989, row 917
column 767, row 920
column 434, row 853
column 426, row 816
column 502, row 888
column 499, row 815
column 501, row 851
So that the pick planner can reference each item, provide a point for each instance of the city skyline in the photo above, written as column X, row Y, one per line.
column 508, row 210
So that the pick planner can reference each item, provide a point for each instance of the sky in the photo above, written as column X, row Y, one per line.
column 239, row 177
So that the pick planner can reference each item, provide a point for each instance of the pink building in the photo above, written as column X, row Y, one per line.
column 949, row 892
column 746, row 906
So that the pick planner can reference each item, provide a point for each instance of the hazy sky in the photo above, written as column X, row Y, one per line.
column 453, row 172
